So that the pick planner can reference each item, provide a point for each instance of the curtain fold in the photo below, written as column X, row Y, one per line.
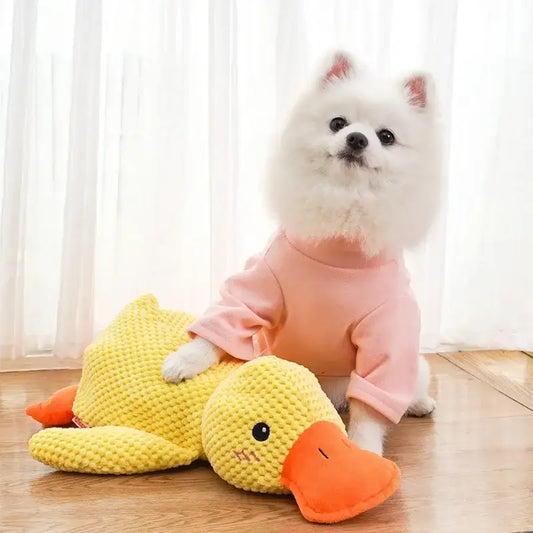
column 76, row 292
column 17, row 154
column 134, row 137
column 223, row 134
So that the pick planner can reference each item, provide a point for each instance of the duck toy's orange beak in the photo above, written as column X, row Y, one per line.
column 332, row 479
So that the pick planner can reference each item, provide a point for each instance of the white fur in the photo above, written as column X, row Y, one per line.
column 366, row 427
column 387, row 204
column 190, row 359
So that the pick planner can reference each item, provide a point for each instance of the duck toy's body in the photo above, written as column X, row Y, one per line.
column 264, row 425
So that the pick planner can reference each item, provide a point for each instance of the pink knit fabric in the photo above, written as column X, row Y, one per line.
column 325, row 306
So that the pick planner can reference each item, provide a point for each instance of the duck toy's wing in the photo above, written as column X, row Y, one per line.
column 107, row 450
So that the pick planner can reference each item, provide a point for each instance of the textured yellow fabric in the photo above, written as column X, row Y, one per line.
column 121, row 385
column 139, row 423
column 108, row 450
column 285, row 396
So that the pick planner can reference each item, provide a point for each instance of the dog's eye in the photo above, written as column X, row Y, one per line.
column 386, row 137
column 261, row 431
column 337, row 124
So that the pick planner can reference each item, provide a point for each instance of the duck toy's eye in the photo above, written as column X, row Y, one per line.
column 261, row 431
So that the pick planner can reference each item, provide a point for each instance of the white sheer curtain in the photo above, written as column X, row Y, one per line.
column 133, row 137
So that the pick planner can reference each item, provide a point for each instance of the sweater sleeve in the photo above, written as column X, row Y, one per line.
column 386, row 368
column 250, row 300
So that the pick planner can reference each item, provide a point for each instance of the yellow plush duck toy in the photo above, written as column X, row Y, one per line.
column 264, row 425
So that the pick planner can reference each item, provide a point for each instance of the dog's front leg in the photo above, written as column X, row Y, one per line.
column 190, row 359
column 367, row 427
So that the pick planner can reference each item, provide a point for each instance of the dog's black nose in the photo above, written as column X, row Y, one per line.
column 356, row 141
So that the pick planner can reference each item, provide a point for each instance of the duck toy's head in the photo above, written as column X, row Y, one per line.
column 264, row 425
column 269, row 427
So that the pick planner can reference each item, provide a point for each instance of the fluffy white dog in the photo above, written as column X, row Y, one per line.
column 353, row 181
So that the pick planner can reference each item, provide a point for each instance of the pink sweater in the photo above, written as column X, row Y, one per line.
column 325, row 306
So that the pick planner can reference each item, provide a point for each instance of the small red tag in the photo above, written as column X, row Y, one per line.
column 79, row 422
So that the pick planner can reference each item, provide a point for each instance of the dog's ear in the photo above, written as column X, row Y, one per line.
column 419, row 90
column 337, row 66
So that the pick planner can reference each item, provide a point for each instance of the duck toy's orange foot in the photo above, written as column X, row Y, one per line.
column 264, row 426
column 57, row 410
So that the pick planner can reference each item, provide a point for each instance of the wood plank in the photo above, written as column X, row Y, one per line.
column 38, row 362
column 510, row 372
column 466, row 468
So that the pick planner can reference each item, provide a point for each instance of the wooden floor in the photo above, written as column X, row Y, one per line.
column 467, row 468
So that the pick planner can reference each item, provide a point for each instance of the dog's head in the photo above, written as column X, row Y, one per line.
column 358, row 159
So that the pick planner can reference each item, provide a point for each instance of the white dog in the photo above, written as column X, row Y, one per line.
column 354, row 180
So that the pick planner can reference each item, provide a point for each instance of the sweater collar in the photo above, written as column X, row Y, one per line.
column 338, row 252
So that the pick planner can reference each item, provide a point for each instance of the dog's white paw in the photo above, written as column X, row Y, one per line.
column 189, row 360
column 422, row 407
